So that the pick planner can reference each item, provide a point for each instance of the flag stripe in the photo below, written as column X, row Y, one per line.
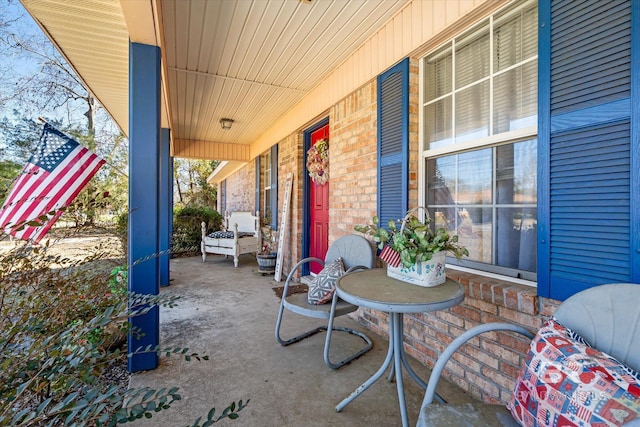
column 43, row 184
column 19, row 190
column 22, row 180
column 50, row 180
column 56, row 184
column 79, row 179
column 63, row 191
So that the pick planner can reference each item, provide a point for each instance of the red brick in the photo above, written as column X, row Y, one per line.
column 450, row 317
column 466, row 312
column 511, row 298
column 501, row 380
column 466, row 361
column 481, row 305
column 488, row 387
column 528, row 303
column 501, row 352
column 526, row 320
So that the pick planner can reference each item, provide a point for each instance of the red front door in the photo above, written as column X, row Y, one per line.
column 318, row 211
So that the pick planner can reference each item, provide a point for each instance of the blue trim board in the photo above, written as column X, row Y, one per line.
column 306, row 187
column 144, row 188
column 544, row 137
column 634, row 228
column 593, row 116
column 165, row 206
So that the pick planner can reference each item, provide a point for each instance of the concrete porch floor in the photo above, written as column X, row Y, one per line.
column 229, row 314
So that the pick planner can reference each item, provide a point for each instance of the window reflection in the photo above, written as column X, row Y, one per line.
column 498, row 227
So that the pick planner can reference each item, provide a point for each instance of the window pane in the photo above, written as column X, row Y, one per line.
column 472, row 58
column 437, row 123
column 516, row 174
column 267, row 203
column 517, row 229
column 438, row 74
column 475, row 173
column 472, row 112
column 515, row 98
column 441, row 180
column 267, row 170
column 474, row 231
column 515, row 37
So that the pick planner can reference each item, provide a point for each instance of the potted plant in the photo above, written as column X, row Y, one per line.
column 267, row 256
column 414, row 252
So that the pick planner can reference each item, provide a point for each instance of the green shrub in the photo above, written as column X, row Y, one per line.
column 186, row 226
column 57, row 319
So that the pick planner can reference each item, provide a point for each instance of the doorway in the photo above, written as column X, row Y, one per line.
column 317, row 203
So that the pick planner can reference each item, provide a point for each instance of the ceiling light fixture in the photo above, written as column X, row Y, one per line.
column 226, row 123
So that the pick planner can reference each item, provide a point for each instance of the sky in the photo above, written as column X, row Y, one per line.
column 14, row 12
column 21, row 66
column 16, row 68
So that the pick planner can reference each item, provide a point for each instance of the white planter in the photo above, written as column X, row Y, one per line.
column 423, row 273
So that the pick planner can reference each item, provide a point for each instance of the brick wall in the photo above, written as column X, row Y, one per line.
column 352, row 160
column 290, row 157
column 488, row 366
column 240, row 194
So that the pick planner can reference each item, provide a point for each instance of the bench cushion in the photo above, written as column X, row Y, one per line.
column 565, row 382
column 228, row 234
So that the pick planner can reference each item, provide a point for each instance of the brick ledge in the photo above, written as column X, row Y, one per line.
column 502, row 293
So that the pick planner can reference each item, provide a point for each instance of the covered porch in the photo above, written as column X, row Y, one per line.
column 229, row 314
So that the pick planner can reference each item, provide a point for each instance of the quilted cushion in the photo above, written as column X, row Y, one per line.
column 565, row 382
column 323, row 285
column 228, row 234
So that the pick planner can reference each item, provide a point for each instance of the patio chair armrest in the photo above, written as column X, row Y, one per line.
column 455, row 345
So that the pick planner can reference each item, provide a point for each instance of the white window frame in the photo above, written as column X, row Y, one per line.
column 493, row 140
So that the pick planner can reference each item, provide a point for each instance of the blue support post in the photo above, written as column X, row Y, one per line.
column 144, row 190
column 166, row 206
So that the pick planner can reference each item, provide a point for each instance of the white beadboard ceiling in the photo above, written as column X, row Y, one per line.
column 248, row 60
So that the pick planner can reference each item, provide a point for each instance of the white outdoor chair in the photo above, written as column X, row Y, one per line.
column 356, row 253
column 606, row 316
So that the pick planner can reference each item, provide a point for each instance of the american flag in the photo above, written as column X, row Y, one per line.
column 390, row 256
column 49, row 182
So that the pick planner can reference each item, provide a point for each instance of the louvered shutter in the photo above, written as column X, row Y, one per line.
column 273, row 203
column 587, row 166
column 393, row 142
column 258, row 184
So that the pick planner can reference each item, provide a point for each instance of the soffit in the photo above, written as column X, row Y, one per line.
column 92, row 36
column 253, row 60
column 248, row 60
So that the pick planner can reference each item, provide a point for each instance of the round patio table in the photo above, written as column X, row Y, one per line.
column 375, row 290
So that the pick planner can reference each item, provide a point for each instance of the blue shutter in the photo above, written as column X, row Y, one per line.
column 274, row 187
column 258, row 186
column 585, row 137
column 393, row 142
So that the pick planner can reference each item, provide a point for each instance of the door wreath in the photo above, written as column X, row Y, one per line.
column 318, row 162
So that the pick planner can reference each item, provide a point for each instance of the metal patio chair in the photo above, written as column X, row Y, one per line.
column 606, row 316
column 356, row 253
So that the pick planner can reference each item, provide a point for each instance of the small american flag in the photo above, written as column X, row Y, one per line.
column 390, row 256
column 49, row 182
